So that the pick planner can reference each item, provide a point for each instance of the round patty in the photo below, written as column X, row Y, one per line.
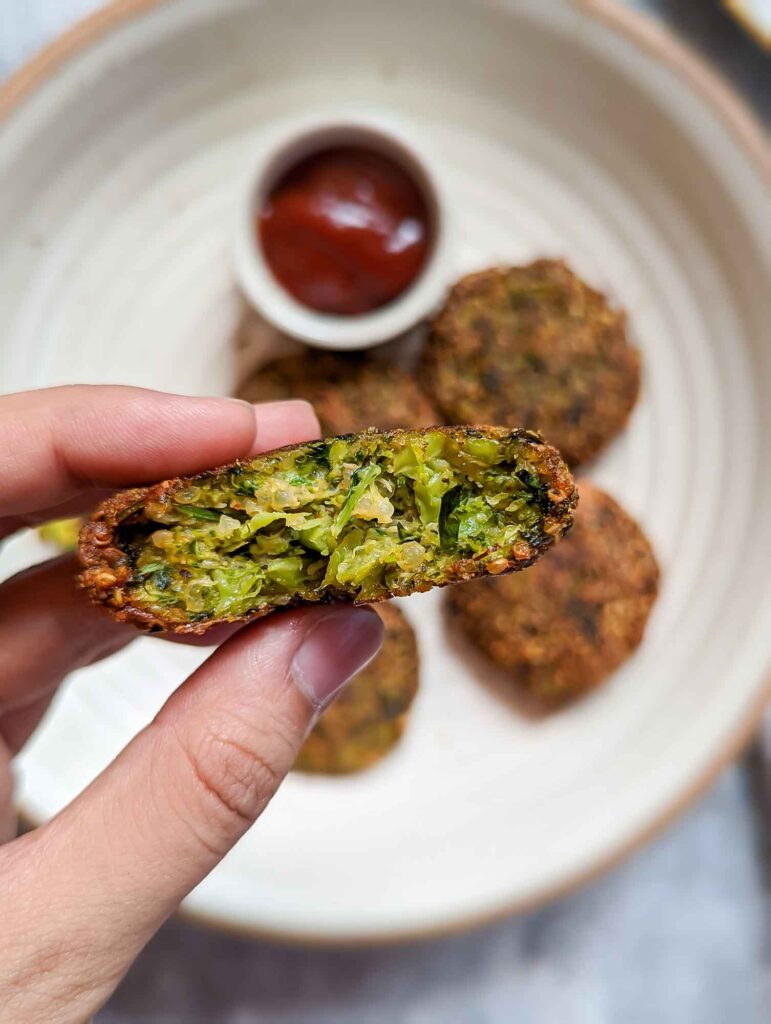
column 533, row 347
column 563, row 626
column 369, row 716
column 349, row 392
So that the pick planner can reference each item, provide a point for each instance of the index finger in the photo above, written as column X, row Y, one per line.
column 58, row 442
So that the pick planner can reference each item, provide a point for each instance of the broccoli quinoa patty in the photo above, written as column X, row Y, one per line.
column 535, row 347
column 62, row 533
column 564, row 626
column 349, row 392
column 358, row 518
column 368, row 718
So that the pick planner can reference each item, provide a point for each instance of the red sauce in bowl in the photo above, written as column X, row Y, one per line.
column 345, row 231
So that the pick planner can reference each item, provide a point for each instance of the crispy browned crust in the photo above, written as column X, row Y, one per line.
column 367, row 720
column 565, row 626
column 533, row 346
column 349, row 391
column 107, row 570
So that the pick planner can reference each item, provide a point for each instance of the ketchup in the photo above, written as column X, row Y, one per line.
column 345, row 231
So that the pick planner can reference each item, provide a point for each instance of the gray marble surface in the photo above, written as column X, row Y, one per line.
column 677, row 935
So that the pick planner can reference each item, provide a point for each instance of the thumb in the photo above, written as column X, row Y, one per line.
column 84, row 893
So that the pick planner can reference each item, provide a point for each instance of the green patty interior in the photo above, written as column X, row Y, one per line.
column 353, row 517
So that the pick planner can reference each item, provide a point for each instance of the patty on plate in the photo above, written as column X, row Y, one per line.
column 533, row 346
column 358, row 518
column 349, row 391
column 368, row 718
column 564, row 626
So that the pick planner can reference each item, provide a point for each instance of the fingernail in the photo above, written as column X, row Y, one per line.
column 338, row 646
column 280, row 423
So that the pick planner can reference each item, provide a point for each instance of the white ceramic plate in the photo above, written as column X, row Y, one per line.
column 561, row 135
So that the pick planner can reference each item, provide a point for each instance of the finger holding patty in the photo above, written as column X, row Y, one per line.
column 64, row 445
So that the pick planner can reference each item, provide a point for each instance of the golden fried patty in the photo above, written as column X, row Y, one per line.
column 533, row 346
column 349, row 392
column 369, row 716
column 357, row 518
column 561, row 628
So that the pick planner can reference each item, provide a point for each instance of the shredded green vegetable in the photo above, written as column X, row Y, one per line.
column 355, row 516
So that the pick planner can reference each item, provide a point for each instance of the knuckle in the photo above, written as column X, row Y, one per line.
column 238, row 772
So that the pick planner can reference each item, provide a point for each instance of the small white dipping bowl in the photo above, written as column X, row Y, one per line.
column 283, row 146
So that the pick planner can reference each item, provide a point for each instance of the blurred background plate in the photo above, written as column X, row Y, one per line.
column 562, row 135
column 755, row 16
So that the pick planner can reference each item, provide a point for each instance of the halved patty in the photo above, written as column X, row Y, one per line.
column 562, row 627
column 368, row 718
column 349, row 392
column 358, row 518
column 533, row 346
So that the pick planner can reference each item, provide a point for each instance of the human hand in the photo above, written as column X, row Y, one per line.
column 81, row 895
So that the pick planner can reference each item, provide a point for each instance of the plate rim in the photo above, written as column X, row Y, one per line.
column 715, row 90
